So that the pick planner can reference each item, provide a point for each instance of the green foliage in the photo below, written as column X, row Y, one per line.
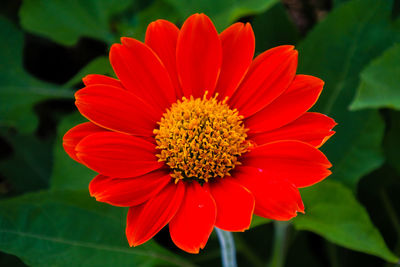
column 65, row 21
column 19, row 91
column 135, row 25
column 335, row 214
column 100, row 65
column 337, row 50
column 222, row 12
column 276, row 27
column 67, row 173
column 28, row 168
column 70, row 229
column 380, row 82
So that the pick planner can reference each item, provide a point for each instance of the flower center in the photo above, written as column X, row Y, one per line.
column 201, row 138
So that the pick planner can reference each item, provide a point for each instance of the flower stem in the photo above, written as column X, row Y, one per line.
column 280, row 244
column 228, row 251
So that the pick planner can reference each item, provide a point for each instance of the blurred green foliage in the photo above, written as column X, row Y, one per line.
column 46, row 215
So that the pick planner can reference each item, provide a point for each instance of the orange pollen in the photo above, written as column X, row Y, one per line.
column 201, row 138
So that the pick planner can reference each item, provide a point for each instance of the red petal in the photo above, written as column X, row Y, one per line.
column 116, row 109
column 193, row 223
column 76, row 134
column 198, row 56
column 145, row 221
column 238, row 45
column 101, row 79
column 235, row 205
column 298, row 162
column 298, row 98
column 117, row 155
column 127, row 192
column 312, row 128
column 142, row 72
column 275, row 199
column 162, row 36
column 269, row 76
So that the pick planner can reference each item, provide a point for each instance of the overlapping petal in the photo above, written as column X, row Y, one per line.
column 269, row 75
column 146, row 220
column 276, row 199
column 116, row 109
column 235, row 205
column 141, row 72
column 117, row 155
column 299, row 163
column 162, row 36
column 76, row 134
column 295, row 101
column 101, row 79
column 198, row 56
column 128, row 192
column 238, row 44
column 193, row 223
column 312, row 128
column 120, row 145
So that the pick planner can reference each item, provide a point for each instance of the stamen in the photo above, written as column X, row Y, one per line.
column 201, row 139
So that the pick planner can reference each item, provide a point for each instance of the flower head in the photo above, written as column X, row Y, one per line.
column 195, row 133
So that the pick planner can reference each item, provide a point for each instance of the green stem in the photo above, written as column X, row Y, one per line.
column 228, row 251
column 280, row 244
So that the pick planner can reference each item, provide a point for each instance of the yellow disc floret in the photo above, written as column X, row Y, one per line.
column 201, row 138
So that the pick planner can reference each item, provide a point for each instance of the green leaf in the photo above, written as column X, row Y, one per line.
column 334, row 213
column 268, row 35
column 336, row 51
column 360, row 153
column 136, row 24
column 28, row 168
column 222, row 12
column 99, row 65
column 380, row 82
column 67, row 173
column 257, row 221
column 19, row 91
column 65, row 21
column 70, row 229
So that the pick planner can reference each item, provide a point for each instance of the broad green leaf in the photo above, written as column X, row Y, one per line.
column 361, row 153
column 19, row 91
column 333, row 212
column 222, row 12
column 65, row 21
column 67, row 173
column 70, row 229
column 28, row 168
column 267, row 32
column 336, row 51
column 99, row 65
column 135, row 25
column 380, row 82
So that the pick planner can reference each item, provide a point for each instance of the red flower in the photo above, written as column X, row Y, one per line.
column 197, row 134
